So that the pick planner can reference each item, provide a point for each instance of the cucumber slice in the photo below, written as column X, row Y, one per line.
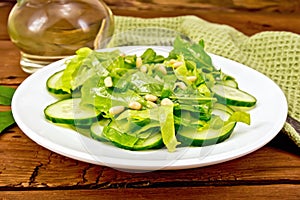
column 230, row 83
column 242, row 108
column 233, row 96
column 54, row 84
column 69, row 111
column 154, row 141
column 221, row 107
column 190, row 137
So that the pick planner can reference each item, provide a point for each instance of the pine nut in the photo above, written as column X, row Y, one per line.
column 177, row 64
column 135, row 105
column 108, row 82
column 191, row 78
column 172, row 61
column 138, row 62
column 162, row 69
column 166, row 102
column 144, row 68
column 158, row 78
column 151, row 104
column 150, row 97
column 116, row 110
column 181, row 85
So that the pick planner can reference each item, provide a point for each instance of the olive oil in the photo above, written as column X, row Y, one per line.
column 48, row 30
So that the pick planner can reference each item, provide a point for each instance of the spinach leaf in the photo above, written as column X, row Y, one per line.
column 6, row 117
column 95, row 93
column 169, row 82
column 192, row 52
column 148, row 56
column 6, row 120
column 6, row 94
column 143, row 83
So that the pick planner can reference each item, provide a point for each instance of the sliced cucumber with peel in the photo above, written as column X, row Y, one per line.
column 191, row 137
column 233, row 96
column 69, row 111
column 231, row 83
column 217, row 107
column 54, row 85
column 154, row 141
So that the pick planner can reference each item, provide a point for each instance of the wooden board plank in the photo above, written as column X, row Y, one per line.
column 248, row 16
column 5, row 8
column 277, row 191
column 33, row 166
column 271, row 172
column 268, row 6
column 10, row 69
column 248, row 23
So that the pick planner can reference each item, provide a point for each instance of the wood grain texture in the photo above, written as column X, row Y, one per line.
column 10, row 69
column 272, row 172
column 274, row 192
column 33, row 166
column 5, row 8
column 248, row 16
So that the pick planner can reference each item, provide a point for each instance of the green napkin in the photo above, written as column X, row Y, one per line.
column 275, row 54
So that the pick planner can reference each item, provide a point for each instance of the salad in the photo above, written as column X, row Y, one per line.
column 148, row 101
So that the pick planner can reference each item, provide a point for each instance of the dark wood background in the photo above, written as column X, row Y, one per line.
column 248, row 16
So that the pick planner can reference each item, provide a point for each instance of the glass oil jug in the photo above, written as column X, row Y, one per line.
column 49, row 30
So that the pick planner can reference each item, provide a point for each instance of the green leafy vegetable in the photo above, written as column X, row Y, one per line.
column 6, row 120
column 240, row 116
column 166, row 119
column 119, row 138
column 129, row 90
column 192, row 52
column 84, row 65
column 6, row 94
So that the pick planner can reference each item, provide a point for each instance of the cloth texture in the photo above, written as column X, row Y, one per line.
column 273, row 53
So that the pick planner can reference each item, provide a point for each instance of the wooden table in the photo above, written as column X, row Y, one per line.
column 28, row 170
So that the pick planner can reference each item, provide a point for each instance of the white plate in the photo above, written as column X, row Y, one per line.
column 267, row 119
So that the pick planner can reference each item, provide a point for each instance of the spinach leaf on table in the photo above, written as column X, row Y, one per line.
column 6, row 120
column 6, row 94
column 6, row 117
